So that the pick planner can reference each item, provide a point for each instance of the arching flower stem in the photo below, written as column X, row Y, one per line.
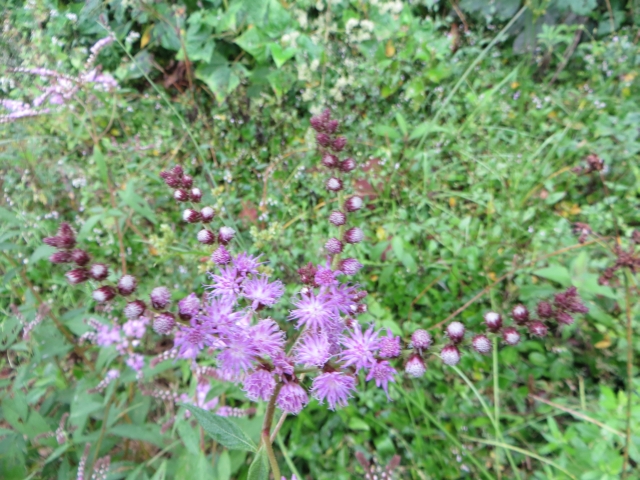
column 266, row 431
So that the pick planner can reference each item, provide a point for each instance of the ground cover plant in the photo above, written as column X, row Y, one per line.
column 321, row 240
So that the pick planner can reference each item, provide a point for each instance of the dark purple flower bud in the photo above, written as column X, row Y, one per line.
column 323, row 139
column 60, row 257
column 195, row 195
column 359, row 295
column 339, row 143
column 361, row 308
column 226, row 234
column 538, row 329
column 564, row 318
column 481, row 344
column 160, row 297
column 188, row 306
column 332, row 125
column 545, row 310
column 80, row 257
column 493, row 321
column 511, row 336
column 421, row 339
column 127, row 285
column 348, row 165
column 77, row 275
column 330, row 161
column 570, row 301
column 221, row 256
column 51, row 241
column 520, row 314
column 98, row 271
column 350, row 266
column 415, row 366
column 207, row 214
column 325, row 115
column 308, row 274
column 337, row 218
column 353, row 235
column 333, row 246
column 62, row 242
column 134, row 309
column 170, row 179
column 317, row 123
column 455, row 332
column 177, row 171
column 206, row 236
column 334, row 184
column 65, row 230
column 104, row 294
column 353, row 203
column 450, row 355
column 181, row 195
column 187, row 181
column 191, row 216
column 163, row 323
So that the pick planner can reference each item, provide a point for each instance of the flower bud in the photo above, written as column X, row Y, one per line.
column 545, row 310
column 98, row 271
column 330, row 161
column 134, row 309
column 450, row 355
column 538, row 329
column 353, row 204
column 455, row 332
column 359, row 295
column 65, row 230
column 226, row 234
column 180, row 195
column 332, row 125
column 389, row 346
column 337, row 218
column 206, row 236
column 353, row 235
column 511, row 336
column 191, row 216
column 163, row 323
column 80, row 257
column 339, row 143
column 221, row 256
column 104, row 294
column 127, row 285
column 323, row 139
column 77, row 275
column 348, row 165
column 350, row 266
column 333, row 246
column 481, row 344
column 62, row 242
column 177, row 171
column 60, row 257
column 195, row 195
column 493, row 321
column 170, row 179
column 334, row 184
column 421, row 339
column 207, row 214
column 361, row 308
column 520, row 314
column 317, row 123
column 187, row 181
column 564, row 318
column 415, row 366
column 160, row 297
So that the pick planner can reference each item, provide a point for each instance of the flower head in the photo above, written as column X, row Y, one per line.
column 246, row 264
column 382, row 372
column 238, row 355
column 450, row 355
column 359, row 347
column 313, row 311
column 292, row 398
column 389, row 346
column 267, row 338
column 421, row 339
column 481, row 344
column 334, row 387
column 260, row 385
column 261, row 292
column 415, row 366
column 455, row 332
column 313, row 350
column 227, row 283
column 189, row 306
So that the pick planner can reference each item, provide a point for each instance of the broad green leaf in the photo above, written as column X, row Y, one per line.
column 161, row 473
column 223, row 430
column 41, row 252
column 194, row 467
column 147, row 433
column 8, row 217
column 221, row 78
column 259, row 468
column 356, row 423
column 555, row 273
column 281, row 55
column 254, row 43
column 224, row 466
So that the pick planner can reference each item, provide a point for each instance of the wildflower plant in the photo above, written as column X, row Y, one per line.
column 226, row 331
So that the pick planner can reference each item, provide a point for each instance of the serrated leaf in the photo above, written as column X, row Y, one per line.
column 222, row 429
column 259, row 468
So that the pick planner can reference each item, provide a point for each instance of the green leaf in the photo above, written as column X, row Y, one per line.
column 254, row 43
column 41, row 252
column 281, row 55
column 147, row 433
column 137, row 203
column 555, row 273
column 8, row 217
column 219, row 76
column 98, row 157
column 224, row 466
column 222, row 429
column 259, row 468
column 356, row 423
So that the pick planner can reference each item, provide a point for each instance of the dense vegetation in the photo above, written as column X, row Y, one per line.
column 497, row 147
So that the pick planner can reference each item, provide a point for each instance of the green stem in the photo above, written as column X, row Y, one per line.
column 496, row 401
column 266, row 432
column 627, row 291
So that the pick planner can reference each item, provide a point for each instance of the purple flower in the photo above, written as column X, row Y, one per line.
column 382, row 373
column 201, row 397
column 342, row 298
column 190, row 340
column 261, row 292
column 313, row 311
column 314, row 349
column 136, row 362
column 219, row 314
column 106, row 336
column 267, row 338
column 189, row 306
column 239, row 354
column 325, row 277
column 334, row 387
column 292, row 398
column 220, row 256
column 389, row 346
column 227, row 283
column 246, row 264
column 260, row 385
column 359, row 348
column 135, row 328
column 282, row 365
